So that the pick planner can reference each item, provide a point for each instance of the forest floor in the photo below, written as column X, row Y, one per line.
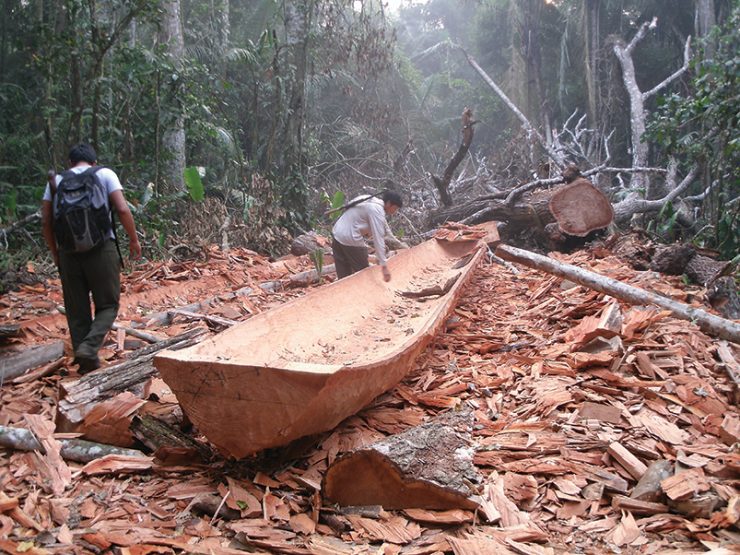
column 562, row 432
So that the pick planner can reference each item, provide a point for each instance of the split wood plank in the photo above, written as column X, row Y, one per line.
column 634, row 466
column 708, row 323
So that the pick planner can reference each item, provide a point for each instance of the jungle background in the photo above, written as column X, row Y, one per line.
column 240, row 123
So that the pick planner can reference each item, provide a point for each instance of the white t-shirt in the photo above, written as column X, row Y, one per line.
column 107, row 177
column 360, row 221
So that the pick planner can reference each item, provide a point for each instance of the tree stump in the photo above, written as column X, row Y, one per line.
column 426, row 467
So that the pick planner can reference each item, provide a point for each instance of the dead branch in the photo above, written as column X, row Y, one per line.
column 531, row 131
column 77, row 450
column 443, row 183
column 708, row 323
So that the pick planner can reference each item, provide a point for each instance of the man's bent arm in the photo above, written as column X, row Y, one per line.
column 127, row 221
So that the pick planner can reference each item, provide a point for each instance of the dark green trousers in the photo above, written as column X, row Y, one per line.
column 98, row 272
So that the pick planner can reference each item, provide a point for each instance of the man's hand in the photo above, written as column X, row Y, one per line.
column 386, row 273
column 134, row 249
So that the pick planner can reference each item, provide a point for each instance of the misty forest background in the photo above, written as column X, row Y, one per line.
column 237, row 122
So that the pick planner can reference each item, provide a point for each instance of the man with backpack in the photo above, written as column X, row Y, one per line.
column 77, row 217
column 363, row 216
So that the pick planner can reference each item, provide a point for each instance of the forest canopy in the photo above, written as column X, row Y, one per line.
column 246, row 117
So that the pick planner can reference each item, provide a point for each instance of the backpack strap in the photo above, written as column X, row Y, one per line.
column 353, row 203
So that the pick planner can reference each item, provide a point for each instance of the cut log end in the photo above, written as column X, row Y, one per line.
column 580, row 208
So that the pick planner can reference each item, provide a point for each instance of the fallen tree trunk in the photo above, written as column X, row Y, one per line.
column 425, row 467
column 708, row 323
column 15, row 365
column 77, row 450
column 78, row 398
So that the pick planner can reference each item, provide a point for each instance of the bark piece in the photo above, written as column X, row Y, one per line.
column 79, row 397
column 156, row 435
column 77, row 450
column 704, row 270
column 708, row 323
column 672, row 259
column 684, row 485
column 601, row 412
column 9, row 330
column 730, row 429
column 426, row 467
column 648, row 488
column 638, row 507
column 50, row 461
column 14, row 365
column 580, row 208
column 723, row 296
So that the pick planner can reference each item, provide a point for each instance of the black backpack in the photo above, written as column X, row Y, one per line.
column 82, row 215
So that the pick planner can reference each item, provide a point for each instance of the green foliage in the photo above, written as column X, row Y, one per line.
column 702, row 128
column 317, row 257
column 194, row 183
column 335, row 201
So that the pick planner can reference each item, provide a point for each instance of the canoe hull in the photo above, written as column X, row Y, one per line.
column 244, row 408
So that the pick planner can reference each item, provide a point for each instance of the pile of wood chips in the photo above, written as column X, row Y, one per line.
column 599, row 428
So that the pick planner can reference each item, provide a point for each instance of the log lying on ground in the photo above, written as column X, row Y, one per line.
column 15, row 365
column 79, row 397
column 77, row 450
column 425, row 467
column 157, row 435
column 558, row 214
column 164, row 318
column 303, row 279
column 683, row 259
column 708, row 323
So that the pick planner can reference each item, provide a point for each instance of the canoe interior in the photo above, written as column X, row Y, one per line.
column 306, row 365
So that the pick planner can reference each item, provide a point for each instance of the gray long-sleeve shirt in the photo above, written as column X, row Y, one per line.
column 360, row 221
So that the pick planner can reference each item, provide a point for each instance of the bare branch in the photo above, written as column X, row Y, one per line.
column 555, row 156
column 680, row 71
column 640, row 34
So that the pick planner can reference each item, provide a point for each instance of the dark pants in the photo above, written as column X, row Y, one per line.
column 98, row 272
column 348, row 260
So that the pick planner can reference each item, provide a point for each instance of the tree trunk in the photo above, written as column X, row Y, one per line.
column 590, row 31
column 173, row 134
column 704, row 20
column 77, row 398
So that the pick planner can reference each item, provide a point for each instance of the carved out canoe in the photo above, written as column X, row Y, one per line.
column 303, row 367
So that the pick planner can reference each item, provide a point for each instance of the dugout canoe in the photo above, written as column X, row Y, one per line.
column 303, row 367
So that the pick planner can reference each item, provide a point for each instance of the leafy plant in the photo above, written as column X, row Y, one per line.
column 194, row 183
column 317, row 257
column 334, row 202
